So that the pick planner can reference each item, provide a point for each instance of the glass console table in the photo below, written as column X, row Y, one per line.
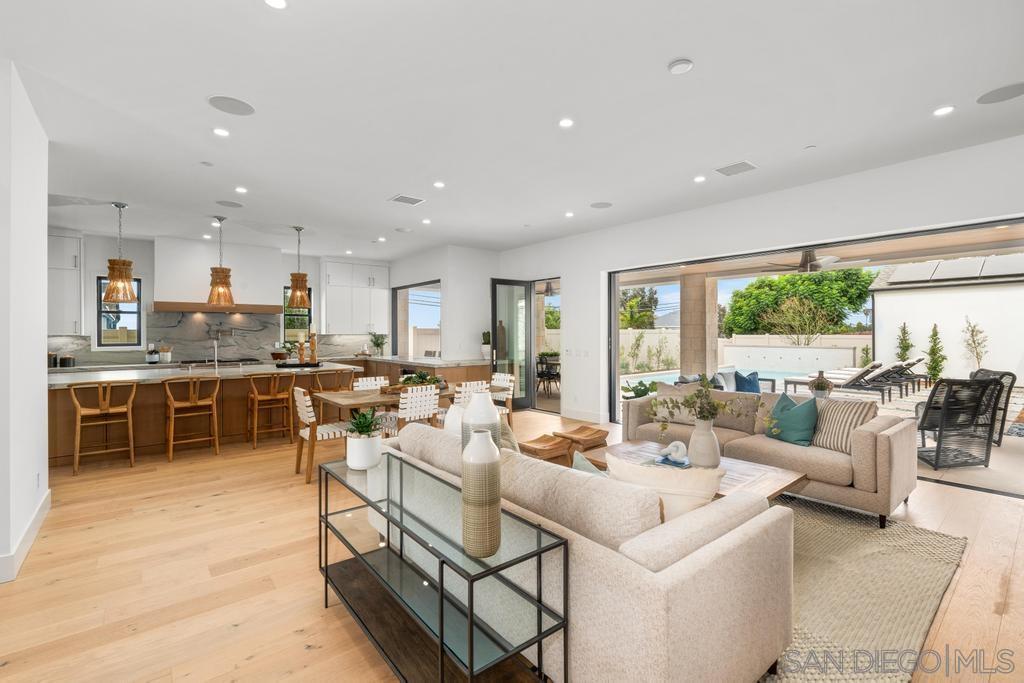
column 425, row 604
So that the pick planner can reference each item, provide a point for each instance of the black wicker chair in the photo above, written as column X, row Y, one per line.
column 1008, row 379
column 960, row 413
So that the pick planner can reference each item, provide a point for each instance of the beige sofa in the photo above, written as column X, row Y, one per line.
column 877, row 475
column 706, row 596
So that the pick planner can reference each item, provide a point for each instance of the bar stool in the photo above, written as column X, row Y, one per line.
column 191, row 397
column 313, row 432
column 329, row 380
column 267, row 392
column 113, row 406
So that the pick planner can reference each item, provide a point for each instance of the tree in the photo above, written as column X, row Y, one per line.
column 865, row 355
column 799, row 320
column 975, row 342
column 722, row 312
column 636, row 308
column 936, row 358
column 552, row 318
column 837, row 292
column 903, row 343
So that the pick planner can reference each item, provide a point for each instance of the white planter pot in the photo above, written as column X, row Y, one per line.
column 363, row 452
column 485, row 350
column 703, row 449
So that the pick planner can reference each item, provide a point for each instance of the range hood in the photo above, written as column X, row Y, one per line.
column 196, row 307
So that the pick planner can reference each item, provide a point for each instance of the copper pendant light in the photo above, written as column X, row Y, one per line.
column 220, row 277
column 119, row 270
column 299, row 297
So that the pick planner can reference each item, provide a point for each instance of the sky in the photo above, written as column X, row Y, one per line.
column 424, row 308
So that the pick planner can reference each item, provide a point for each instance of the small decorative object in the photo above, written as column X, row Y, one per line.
column 165, row 354
column 481, row 413
column 378, row 340
column 485, row 347
column 363, row 446
column 675, row 451
column 638, row 390
column 453, row 419
column 704, row 450
column 481, row 495
column 312, row 348
column 820, row 386
column 152, row 355
column 302, row 353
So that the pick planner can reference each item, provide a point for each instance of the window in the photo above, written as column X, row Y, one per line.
column 118, row 325
column 297, row 320
column 416, row 319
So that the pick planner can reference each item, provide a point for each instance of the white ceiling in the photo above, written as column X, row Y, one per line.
column 358, row 101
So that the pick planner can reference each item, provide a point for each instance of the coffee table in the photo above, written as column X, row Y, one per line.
column 740, row 475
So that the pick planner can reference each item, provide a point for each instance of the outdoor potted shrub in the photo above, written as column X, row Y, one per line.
column 377, row 341
column 820, row 386
column 552, row 356
column 638, row 390
column 485, row 347
column 363, row 445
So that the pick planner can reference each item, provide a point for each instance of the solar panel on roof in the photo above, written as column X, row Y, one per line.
column 959, row 269
column 913, row 272
column 1008, row 264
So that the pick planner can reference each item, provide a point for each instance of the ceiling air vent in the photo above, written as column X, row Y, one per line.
column 736, row 169
column 405, row 199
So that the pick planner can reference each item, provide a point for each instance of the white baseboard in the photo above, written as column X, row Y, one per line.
column 11, row 562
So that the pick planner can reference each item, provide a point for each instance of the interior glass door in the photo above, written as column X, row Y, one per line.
column 511, row 335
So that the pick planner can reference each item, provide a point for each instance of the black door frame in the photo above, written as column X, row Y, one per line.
column 527, row 399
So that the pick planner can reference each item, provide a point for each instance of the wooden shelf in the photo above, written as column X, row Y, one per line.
column 192, row 307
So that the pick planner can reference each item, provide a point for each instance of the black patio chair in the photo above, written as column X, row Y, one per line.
column 1009, row 380
column 960, row 413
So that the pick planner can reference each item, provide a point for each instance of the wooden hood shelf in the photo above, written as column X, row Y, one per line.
column 191, row 307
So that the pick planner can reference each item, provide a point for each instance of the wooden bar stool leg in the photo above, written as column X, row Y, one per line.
column 131, row 440
column 215, row 428
column 291, row 420
column 78, row 442
column 170, row 437
column 255, row 421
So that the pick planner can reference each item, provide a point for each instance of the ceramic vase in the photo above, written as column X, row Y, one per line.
column 481, row 413
column 703, row 450
column 822, row 393
column 363, row 451
column 481, row 495
column 485, row 351
column 453, row 419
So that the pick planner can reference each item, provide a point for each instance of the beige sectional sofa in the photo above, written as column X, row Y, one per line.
column 878, row 474
column 706, row 596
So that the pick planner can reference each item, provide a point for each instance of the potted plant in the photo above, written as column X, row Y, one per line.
column 485, row 347
column 638, row 390
column 550, row 355
column 703, row 449
column 377, row 341
column 363, row 445
column 420, row 378
column 820, row 386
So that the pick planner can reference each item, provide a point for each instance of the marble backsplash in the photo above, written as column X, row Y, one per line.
column 191, row 335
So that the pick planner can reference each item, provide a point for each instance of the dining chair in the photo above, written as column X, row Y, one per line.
column 188, row 397
column 415, row 404
column 329, row 380
column 271, row 391
column 371, row 383
column 103, row 404
column 313, row 432
column 507, row 381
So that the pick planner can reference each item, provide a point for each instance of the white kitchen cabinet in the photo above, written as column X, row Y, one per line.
column 378, row 277
column 337, row 310
column 63, row 252
column 356, row 298
column 380, row 320
column 337, row 274
column 360, row 275
column 360, row 310
column 64, row 301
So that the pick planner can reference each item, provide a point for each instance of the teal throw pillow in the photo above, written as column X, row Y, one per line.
column 580, row 462
column 793, row 423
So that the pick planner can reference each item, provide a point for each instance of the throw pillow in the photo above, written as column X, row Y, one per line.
column 580, row 462
column 680, row 490
column 838, row 419
column 793, row 423
column 748, row 383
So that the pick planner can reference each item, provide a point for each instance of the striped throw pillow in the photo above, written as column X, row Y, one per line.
column 838, row 419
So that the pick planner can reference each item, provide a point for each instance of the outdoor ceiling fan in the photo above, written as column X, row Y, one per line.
column 811, row 263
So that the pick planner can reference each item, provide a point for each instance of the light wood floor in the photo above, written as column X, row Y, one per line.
column 205, row 568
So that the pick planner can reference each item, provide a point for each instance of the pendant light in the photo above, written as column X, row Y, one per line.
column 299, row 297
column 220, row 277
column 119, row 270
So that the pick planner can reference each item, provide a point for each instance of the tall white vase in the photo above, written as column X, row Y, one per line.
column 481, row 413
column 481, row 495
column 703, row 449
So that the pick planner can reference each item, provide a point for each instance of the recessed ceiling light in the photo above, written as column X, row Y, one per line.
column 348, row 252
column 566, row 123
column 601, row 205
column 241, row 190
column 230, row 105
column 569, row 214
column 276, row 4
column 207, row 237
column 221, row 132
column 382, row 239
column 227, row 203
column 944, row 111
column 680, row 66
column 439, row 184
column 425, row 221
column 405, row 230
column 699, row 179
column 809, row 147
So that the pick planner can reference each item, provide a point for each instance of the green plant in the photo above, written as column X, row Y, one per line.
column 701, row 403
column 903, row 343
column 549, row 354
column 552, row 317
column 866, row 357
column 936, row 357
column 799, row 320
column 975, row 342
column 636, row 308
column 820, row 383
column 364, row 423
column 378, row 340
column 418, row 378
column 638, row 390
column 486, row 337
column 634, row 350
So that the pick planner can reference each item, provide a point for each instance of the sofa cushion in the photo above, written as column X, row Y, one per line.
column 836, row 421
column 793, row 423
column 681, row 490
column 765, row 407
column 748, row 383
column 433, row 446
column 678, row 392
column 819, row 464
column 670, row 542
column 604, row 510
column 677, row 432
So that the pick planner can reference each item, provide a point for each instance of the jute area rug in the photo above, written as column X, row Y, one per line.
column 864, row 597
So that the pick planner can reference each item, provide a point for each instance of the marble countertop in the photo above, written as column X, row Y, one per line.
column 150, row 375
column 420, row 360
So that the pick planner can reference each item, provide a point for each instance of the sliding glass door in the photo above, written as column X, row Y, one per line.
column 511, row 335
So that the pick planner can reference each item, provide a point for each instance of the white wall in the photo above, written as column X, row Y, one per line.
column 24, row 485
column 994, row 307
column 965, row 185
column 183, row 271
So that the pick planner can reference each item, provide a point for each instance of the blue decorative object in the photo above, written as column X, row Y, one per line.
column 748, row 383
column 665, row 460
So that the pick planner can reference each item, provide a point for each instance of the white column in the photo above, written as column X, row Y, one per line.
column 24, row 485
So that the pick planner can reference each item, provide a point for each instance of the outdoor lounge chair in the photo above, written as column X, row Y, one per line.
column 960, row 413
column 864, row 379
column 1008, row 379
